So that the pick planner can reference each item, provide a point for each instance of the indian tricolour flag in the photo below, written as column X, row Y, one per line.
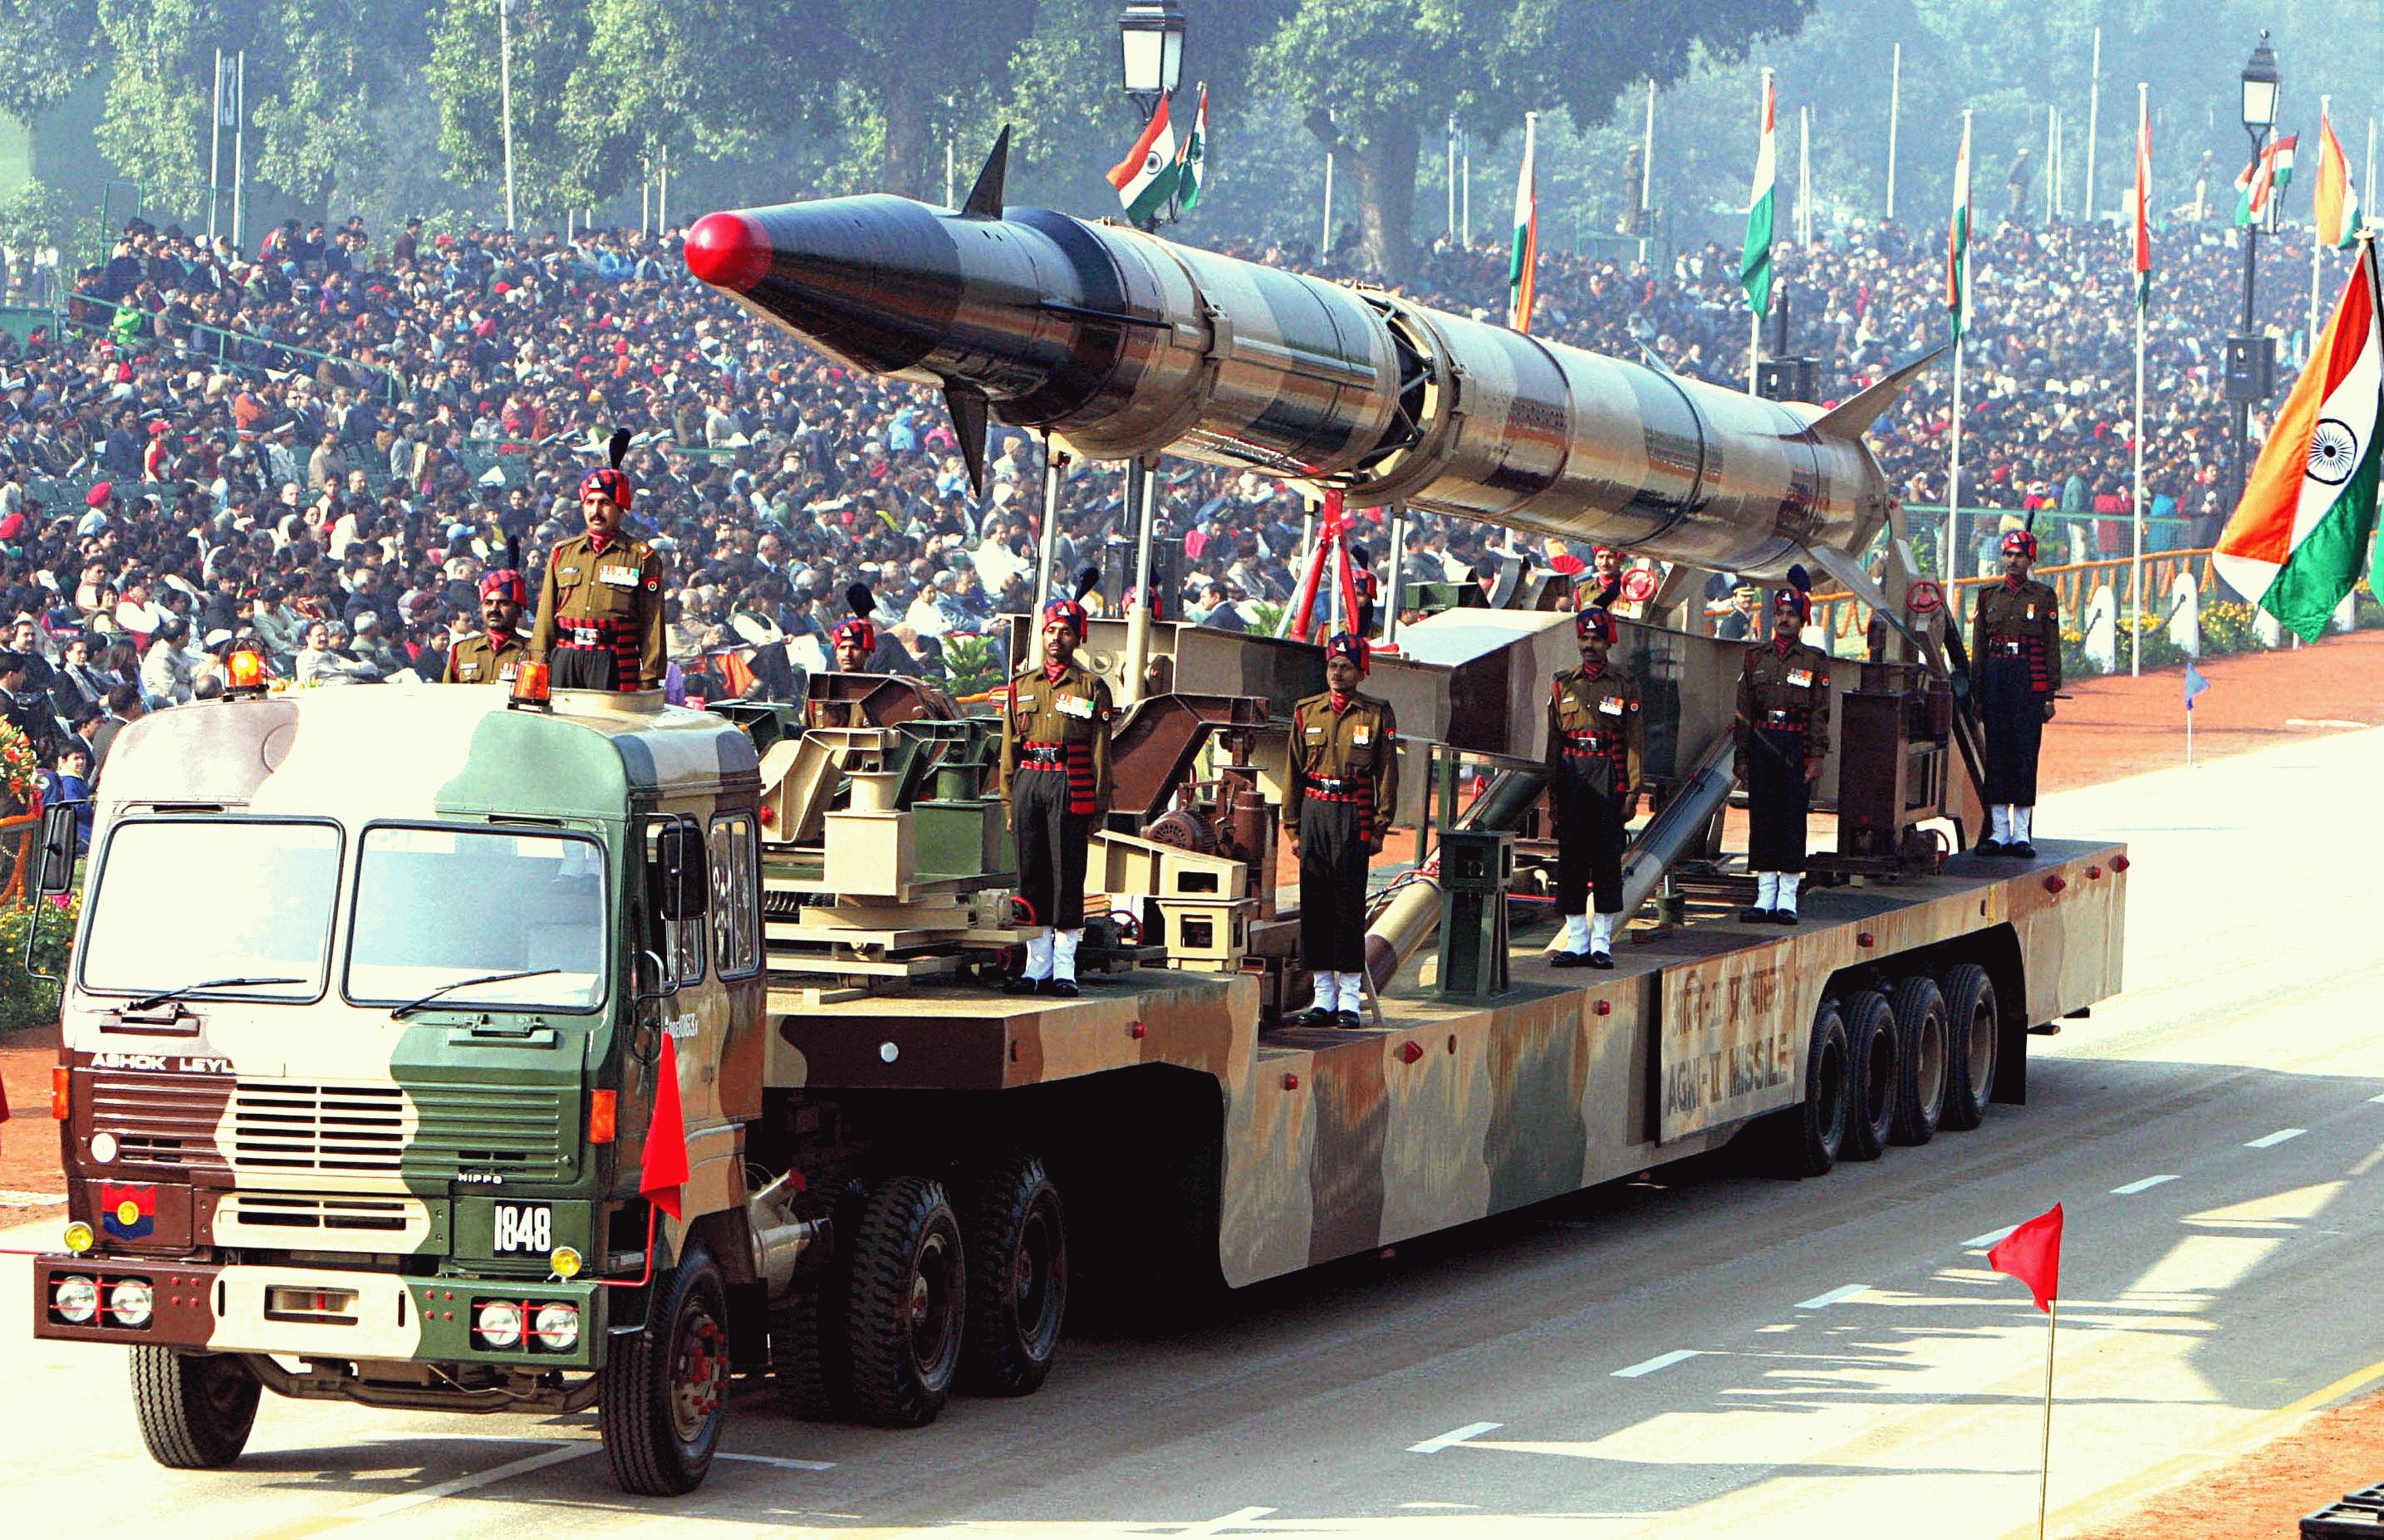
column 1754, row 264
column 1523, row 256
column 1957, row 241
column 2142, row 205
column 1145, row 180
column 2335, row 203
column 1192, row 166
column 2296, row 541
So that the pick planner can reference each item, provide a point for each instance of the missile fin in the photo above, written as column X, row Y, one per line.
column 1655, row 361
column 985, row 198
column 969, row 409
column 1857, row 581
column 1851, row 418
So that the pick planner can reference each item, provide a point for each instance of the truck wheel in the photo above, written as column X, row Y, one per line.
column 660, row 1408
column 1875, row 1062
column 1921, row 1077
column 1016, row 1241
column 195, row 1409
column 1974, row 1032
column 1815, row 1130
column 803, row 1330
column 903, row 1312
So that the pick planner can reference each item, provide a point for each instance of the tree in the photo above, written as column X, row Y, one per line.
column 707, row 81
column 340, row 60
column 1386, row 69
column 47, row 48
column 564, row 155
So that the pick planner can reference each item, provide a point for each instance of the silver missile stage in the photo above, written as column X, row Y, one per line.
column 1125, row 346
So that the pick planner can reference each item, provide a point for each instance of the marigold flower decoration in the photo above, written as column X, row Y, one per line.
column 20, row 769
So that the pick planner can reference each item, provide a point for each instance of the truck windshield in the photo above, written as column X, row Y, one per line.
column 438, row 907
column 178, row 902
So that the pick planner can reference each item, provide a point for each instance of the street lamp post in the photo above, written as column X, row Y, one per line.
column 1151, row 55
column 505, row 97
column 2250, row 357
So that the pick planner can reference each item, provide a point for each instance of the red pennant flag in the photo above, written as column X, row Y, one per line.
column 663, row 1171
column 2032, row 1254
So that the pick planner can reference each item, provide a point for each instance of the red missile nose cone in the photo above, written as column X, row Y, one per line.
column 729, row 250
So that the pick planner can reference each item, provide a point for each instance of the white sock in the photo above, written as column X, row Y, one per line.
column 1063, row 953
column 1601, row 931
column 1038, row 955
column 1353, row 993
column 1328, row 991
column 2002, row 831
column 1787, row 900
column 1767, row 889
column 2023, row 821
column 1576, row 934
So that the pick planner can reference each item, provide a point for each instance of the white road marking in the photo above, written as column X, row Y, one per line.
column 1234, row 1519
column 2142, row 1183
column 1455, row 1436
column 782, row 1462
column 382, row 1507
column 2281, row 1136
column 2378, row 1098
column 1823, row 1302
column 1661, row 1361
column 1977, row 1242
column 11, row 1197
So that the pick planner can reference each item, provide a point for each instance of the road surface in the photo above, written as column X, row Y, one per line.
column 1705, row 1352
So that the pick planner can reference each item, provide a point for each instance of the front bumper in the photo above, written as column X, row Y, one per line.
column 313, row 1312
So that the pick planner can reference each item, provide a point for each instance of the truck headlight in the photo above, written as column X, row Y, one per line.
column 76, row 1298
column 558, row 1327
column 131, row 1301
column 498, row 1323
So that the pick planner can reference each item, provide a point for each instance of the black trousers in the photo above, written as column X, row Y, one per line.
column 1331, row 886
column 1589, row 844
column 584, row 668
column 2013, row 711
column 1778, row 797
column 1052, row 843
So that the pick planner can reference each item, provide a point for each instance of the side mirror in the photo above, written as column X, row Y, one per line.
column 676, row 883
column 54, row 870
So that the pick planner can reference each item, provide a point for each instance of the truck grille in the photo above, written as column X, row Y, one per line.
column 515, row 1131
column 281, row 1125
column 160, row 1120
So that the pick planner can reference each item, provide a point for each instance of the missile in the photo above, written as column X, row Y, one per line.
column 1125, row 345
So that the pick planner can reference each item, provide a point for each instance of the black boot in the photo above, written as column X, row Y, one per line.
column 1019, row 984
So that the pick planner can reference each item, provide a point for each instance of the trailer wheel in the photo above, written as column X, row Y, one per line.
column 1921, row 1072
column 904, row 1311
column 1974, row 1030
column 1875, row 1064
column 803, row 1330
column 660, row 1408
column 195, row 1409
column 1815, row 1131
column 1016, row 1241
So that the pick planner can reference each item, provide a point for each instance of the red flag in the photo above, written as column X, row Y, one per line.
column 663, row 1171
column 2032, row 1254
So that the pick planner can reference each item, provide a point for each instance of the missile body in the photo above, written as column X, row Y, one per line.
column 1126, row 345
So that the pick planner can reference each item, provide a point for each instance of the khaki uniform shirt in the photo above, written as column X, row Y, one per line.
column 621, row 588
column 1796, row 684
column 1357, row 743
column 1072, row 712
column 1607, row 707
column 484, row 660
column 2029, row 616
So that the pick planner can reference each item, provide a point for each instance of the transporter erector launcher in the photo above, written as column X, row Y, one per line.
column 1126, row 345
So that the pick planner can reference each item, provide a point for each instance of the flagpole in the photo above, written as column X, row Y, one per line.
column 1646, row 168
column 2325, row 127
column 2093, row 119
column 2052, row 163
column 2044, row 1463
column 1946, row 571
column 2368, row 202
column 1805, row 176
column 1324, row 248
column 2142, row 213
column 1958, row 298
column 1452, row 176
column 1895, row 111
column 1764, row 191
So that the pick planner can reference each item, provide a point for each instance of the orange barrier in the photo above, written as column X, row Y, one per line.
column 28, row 828
column 1844, row 617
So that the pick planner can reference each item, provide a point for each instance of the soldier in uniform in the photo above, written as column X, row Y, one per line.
column 1345, row 773
column 1055, row 773
column 600, row 605
column 1783, row 738
column 2016, row 648
column 495, row 655
column 1594, row 736
column 852, row 641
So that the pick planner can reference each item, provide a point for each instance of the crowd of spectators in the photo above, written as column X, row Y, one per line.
column 316, row 448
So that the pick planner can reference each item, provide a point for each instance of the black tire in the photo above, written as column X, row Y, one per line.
column 1921, row 1041
column 1016, row 1238
column 805, row 1330
column 1815, row 1130
column 904, row 1312
column 195, row 1409
column 1875, row 1064
column 1973, row 1036
column 661, row 1407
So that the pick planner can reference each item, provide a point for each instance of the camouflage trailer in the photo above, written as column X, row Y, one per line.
column 364, row 1025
